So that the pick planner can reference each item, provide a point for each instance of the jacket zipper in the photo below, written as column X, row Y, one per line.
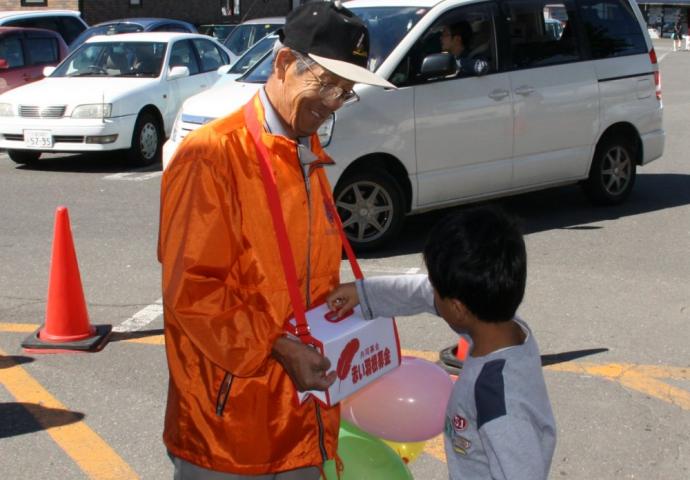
column 307, row 184
column 223, row 393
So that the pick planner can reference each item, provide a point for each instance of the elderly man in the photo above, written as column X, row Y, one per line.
column 231, row 410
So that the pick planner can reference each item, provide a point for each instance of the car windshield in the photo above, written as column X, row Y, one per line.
column 253, row 55
column 114, row 59
column 109, row 29
column 387, row 26
column 245, row 35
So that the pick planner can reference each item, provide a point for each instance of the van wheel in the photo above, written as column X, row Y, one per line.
column 370, row 204
column 24, row 157
column 612, row 175
column 146, row 141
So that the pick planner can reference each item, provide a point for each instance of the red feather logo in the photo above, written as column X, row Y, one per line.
column 346, row 357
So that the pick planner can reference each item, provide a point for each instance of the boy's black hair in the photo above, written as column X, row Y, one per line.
column 478, row 256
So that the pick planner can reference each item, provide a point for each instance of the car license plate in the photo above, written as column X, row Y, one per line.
column 38, row 138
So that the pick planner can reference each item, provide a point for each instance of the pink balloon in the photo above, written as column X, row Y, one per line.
column 405, row 405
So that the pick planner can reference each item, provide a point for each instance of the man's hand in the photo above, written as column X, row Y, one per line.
column 343, row 299
column 307, row 368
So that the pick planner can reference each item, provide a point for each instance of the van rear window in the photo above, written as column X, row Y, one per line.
column 612, row 28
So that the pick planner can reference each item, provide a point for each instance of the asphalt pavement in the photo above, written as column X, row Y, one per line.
column 608, row 299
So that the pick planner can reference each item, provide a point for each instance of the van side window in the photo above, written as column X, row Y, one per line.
column 70, row 28
column 11, row 51
column 612, row 28
column 468, row 33
column 42, row 50
column 541, row 33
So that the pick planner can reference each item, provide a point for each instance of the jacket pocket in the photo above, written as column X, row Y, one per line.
column 223, row 393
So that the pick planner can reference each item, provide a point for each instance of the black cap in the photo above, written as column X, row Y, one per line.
column 333, row 37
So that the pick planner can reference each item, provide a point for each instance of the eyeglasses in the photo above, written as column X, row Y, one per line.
column 331, row 94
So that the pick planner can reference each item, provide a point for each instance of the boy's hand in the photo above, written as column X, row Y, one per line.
column 343, row 299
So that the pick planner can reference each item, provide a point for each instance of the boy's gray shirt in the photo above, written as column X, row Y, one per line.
column 499, row 423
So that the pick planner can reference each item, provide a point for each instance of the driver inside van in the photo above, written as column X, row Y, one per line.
column 456, row 39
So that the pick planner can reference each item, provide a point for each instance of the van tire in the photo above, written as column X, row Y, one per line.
column 613, row 171
column 356, row 194
column 147, row 141
column 24, row 157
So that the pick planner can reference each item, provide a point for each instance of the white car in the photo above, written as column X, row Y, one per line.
column 581, row 105
column 113, row 93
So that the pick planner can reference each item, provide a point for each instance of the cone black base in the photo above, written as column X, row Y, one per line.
column 91, row 344
column 449, row 361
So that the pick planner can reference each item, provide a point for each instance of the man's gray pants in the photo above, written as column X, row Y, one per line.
column 188, row 471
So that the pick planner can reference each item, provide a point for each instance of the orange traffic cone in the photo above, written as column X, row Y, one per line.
column 67, row 326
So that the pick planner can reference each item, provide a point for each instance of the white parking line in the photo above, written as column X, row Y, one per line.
column 142, row 318
column 133, row 176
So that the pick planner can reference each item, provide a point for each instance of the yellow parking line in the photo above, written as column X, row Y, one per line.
column 642, row 378
column 93, row 455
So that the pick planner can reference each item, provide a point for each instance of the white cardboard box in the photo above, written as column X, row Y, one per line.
column 359, row 350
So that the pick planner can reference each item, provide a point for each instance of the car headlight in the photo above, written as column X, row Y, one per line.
column 93, row 110
column 325, row 131
column 175, row 136
column 6, row 110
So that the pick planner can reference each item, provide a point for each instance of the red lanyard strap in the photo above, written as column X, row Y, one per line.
column 286, row 255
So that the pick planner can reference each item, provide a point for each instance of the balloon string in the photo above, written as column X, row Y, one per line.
column 339, row 466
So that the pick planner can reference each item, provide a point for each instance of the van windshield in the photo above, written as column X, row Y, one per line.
column 387, row 27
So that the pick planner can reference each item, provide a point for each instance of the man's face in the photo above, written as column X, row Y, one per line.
column 449, row 42
column 305, row 107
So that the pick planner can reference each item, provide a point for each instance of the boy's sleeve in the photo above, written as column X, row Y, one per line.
column 513, row 449
column 391, row 295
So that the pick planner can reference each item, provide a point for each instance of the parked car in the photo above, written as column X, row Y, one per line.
column 584, row 108
column 67, row 23
column 248, row 59
column 24, row 52
column 133, row 25
column 217, row 30
column 248, row 33
column 113, row 93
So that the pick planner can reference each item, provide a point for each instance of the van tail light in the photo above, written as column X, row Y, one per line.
column 657, row 74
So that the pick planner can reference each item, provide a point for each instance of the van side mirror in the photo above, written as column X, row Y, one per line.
column 3, row 63
column 438, row 65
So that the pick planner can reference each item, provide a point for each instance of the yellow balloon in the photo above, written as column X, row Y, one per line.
column 408, row 451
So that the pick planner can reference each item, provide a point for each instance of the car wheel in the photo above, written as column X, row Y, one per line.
column 371, row 207
column 24, row 157
column 613, row 171
column 146, row 141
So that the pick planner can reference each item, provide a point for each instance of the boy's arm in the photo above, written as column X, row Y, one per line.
column 387, row 296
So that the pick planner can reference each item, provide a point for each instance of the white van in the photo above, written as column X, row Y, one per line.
column 579, row 105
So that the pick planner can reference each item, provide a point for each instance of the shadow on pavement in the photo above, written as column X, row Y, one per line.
column 564, row 208
column 22, row 418
column 109, row 162
column 553, row 358
column 120, row 336
column 12, row 360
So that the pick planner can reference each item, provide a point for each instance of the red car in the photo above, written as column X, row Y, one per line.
column 24, row 52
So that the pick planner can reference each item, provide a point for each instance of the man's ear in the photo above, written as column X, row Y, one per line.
column 282, row 62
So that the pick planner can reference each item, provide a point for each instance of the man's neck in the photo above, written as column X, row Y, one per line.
column 274, row 98
column 489, row 337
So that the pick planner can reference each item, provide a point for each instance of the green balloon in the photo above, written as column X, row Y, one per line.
column 365, row 457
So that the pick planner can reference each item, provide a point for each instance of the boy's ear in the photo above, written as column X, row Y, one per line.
column 459, row 307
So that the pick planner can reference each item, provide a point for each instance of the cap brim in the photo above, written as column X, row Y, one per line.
column 351, row 72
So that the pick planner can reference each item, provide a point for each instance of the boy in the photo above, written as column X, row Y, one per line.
column 499, row 423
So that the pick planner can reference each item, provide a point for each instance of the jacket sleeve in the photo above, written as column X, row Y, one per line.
column 387, row 296
column 203, row 257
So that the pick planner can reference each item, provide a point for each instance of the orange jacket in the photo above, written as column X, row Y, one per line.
column 230, row 403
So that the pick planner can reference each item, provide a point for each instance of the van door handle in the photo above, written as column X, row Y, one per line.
column 498, row 94
column 524, row 90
